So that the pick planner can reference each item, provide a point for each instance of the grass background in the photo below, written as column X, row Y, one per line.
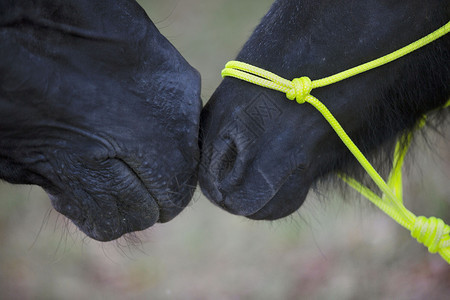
column 330, row 249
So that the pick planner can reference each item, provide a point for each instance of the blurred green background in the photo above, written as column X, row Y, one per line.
column 331, row 249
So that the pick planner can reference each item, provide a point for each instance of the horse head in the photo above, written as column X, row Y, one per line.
column 99, row 109
column 262, row 153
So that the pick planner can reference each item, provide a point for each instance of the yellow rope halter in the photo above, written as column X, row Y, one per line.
column 431, row 232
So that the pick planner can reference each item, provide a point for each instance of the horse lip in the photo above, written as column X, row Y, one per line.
column 137, row 175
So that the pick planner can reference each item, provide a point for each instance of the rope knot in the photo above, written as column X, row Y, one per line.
column 301, row 87
column 429, row 232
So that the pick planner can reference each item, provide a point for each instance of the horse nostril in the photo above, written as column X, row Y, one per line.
column 225, row 160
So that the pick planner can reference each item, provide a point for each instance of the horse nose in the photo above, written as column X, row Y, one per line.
column 223, row 166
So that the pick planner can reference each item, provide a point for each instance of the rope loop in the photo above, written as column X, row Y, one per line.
column 429, row 232
column 301, row 87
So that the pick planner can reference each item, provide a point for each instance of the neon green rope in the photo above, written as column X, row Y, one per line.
column 432, row 232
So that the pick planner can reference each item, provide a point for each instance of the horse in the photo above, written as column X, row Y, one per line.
column 100, row 110
column 261, row 154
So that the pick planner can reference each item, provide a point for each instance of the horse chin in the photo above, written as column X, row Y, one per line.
column 108, row 199
column 110, row 224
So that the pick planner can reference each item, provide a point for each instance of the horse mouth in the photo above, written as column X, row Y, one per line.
column 256, row 194
column 117, row 200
